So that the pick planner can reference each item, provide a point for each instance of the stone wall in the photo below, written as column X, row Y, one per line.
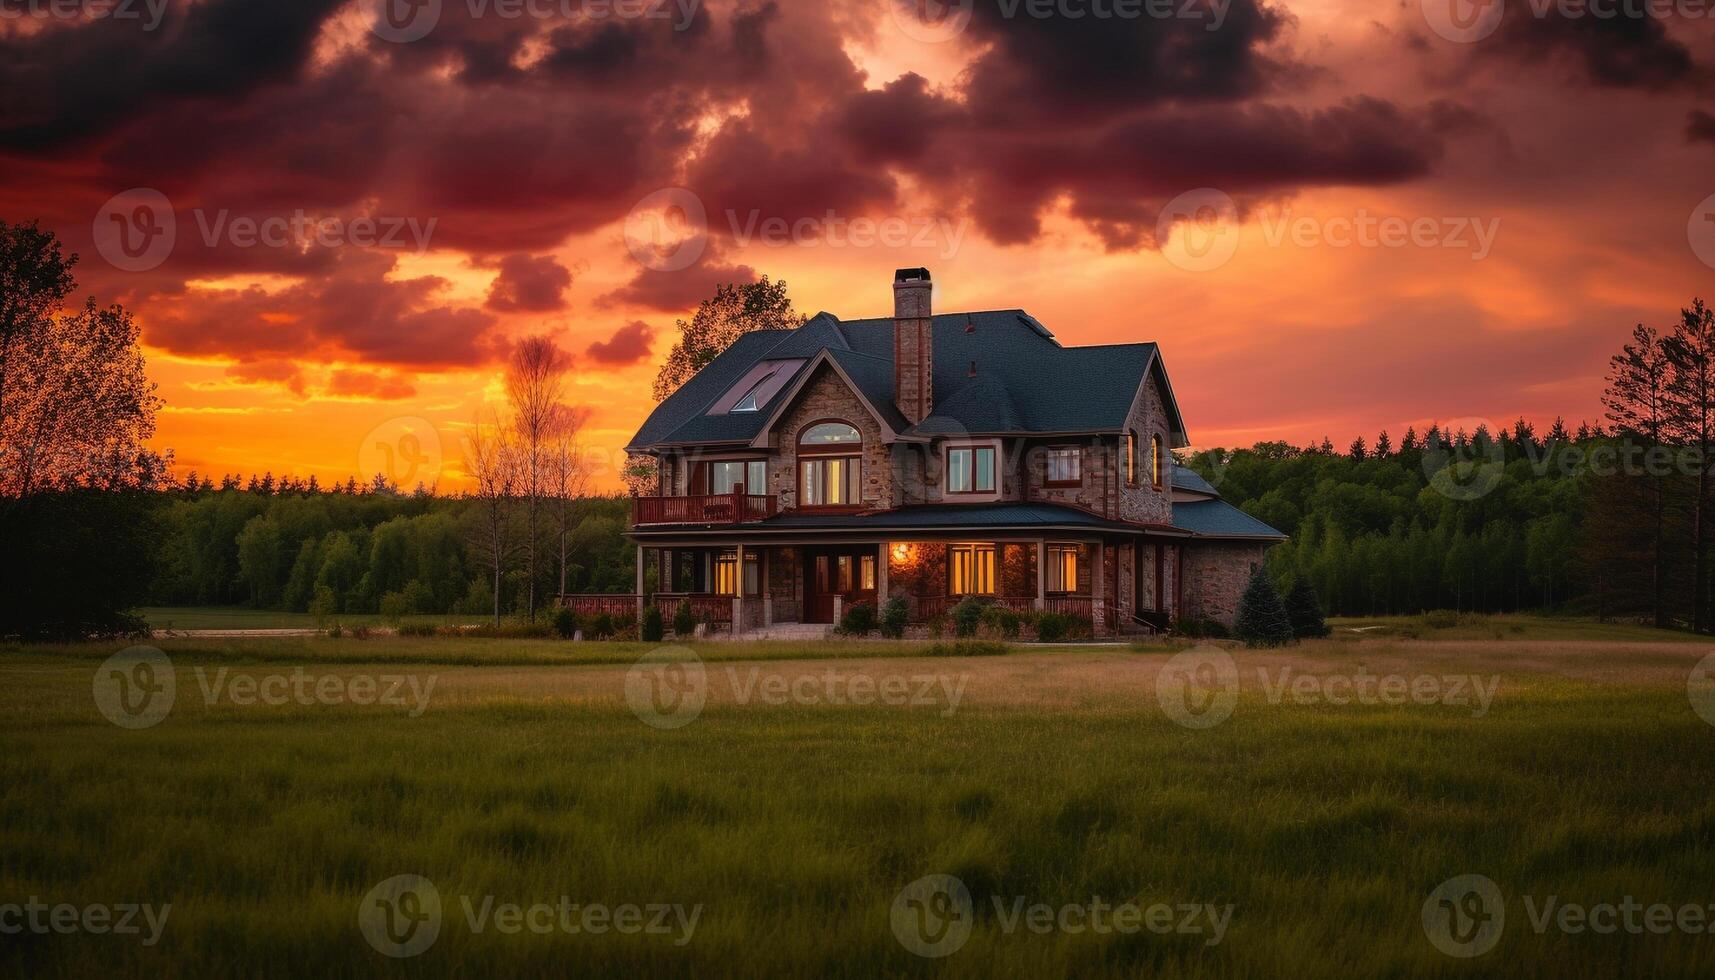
column 1145, row 503
column 826, row 396
column 1216, row 573
column 1094, row 491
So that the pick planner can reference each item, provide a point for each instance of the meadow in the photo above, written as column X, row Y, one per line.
column 791, row 826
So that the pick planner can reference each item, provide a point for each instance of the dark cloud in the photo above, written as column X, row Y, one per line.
column 529, row 284
column 349, row 383
column 355, row 312
column 628, row 345
column 1609, row 52
column 674, row 292
column 1700, row 127
column 280, row 372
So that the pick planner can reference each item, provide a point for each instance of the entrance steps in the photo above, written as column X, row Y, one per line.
column 787, row 631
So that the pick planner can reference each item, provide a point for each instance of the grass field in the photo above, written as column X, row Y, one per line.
column 791, row 828
column 241, row 618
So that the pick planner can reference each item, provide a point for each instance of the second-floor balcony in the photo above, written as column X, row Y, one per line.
column 718, row 508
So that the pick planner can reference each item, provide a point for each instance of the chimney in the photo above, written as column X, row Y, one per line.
column 913, row 345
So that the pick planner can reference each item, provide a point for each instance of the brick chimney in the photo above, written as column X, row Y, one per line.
column 913, row 345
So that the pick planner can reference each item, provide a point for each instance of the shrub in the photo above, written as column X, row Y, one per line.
column 653, row 627
column 966, row 615
column 602, row 625
column 1305, row 612
column 1003, row 622
column 858, row 620
column 684, row 622
column 1056, row 627
column 419, row 629
column 565, row 623
column 325, row 604
column 894, row 616
column 966, row 648
column 1441, row 619
column 395, row 606
column 1262, row 620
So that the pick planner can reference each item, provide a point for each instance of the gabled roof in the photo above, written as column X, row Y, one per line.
column 1189, row 480
column 1023, row 380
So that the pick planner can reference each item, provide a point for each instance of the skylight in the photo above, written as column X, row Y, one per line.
column 759, row 385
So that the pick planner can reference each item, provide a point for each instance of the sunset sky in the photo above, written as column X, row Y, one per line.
column 1533, row 194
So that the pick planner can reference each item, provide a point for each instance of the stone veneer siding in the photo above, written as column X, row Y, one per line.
column 825, row 397
column 1216, row 574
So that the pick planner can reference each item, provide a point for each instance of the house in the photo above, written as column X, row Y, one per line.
column 933, row 456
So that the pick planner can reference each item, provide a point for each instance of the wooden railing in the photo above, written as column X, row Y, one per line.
column 719, row 508
column 715, row 608
column 594, row 604
column 934, row 607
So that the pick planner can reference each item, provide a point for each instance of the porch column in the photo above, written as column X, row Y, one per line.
column 1041, row 574
column 884, row 557
column 1098, row 576
column 738, row 597
column 767, row 573
column 640, row 586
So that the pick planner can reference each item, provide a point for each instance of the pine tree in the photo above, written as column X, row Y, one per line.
column 1358, row 449
column 1262, row 619
column 1384, row 445
column 1304, row 611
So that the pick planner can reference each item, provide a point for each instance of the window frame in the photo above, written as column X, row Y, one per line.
column 810, row 454
column 708, row 475
column 974, row 550
column 1131, row 457
column 1157, row 467
column 973, row 448
column 1077, row 466
column 1057, row 558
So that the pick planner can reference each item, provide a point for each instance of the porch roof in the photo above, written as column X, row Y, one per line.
column 1219, row 519
column 1016, row 517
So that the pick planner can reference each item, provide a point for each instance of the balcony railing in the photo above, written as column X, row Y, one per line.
column 717, row 508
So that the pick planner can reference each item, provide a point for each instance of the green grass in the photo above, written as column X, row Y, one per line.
column 240, row 618
column 1519, row 626
column 795, row 827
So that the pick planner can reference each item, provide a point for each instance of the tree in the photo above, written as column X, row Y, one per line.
column 567, row 478
column 1358, row 450
column 493, row 463
column 1636, row 399
column 734, row 310
column 35, row 279
column 1304, row 611
column 535, row 380
column 1690, row 402
column 1262, row 619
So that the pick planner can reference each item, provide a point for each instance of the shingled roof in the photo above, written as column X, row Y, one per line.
column 996, row 372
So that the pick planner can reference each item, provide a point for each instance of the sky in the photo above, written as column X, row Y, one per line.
column 333, row 218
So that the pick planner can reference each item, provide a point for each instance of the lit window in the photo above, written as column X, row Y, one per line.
column 1065, row 466
column 1062, row 568
column 1156, row 461
column 830, row 434
column 1131, row 459
column 866, row 573
column 829, row 469
column 970, row 569
column 970, row 470
column 726, row 573
column 843, row 573
column 725, row 475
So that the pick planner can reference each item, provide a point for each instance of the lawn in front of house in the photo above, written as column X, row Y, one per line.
column 792, row 826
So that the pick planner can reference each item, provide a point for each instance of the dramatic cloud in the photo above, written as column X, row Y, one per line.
column 529, row 284
column 1613, row 51
column 628, row 345
column 675, row 292
column 1700, row 127
column 346, row 383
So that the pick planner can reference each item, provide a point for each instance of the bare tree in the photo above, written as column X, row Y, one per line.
column 535, row 380
column 492, row 461
column 567, row 478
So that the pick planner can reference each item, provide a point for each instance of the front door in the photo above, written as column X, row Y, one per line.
column 846, row 572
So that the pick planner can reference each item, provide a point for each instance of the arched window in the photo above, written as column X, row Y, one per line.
column 830, row 465
column 1157, row 462
column 1130, row 458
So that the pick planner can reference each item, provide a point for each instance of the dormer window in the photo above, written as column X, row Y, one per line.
column 970, row 469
